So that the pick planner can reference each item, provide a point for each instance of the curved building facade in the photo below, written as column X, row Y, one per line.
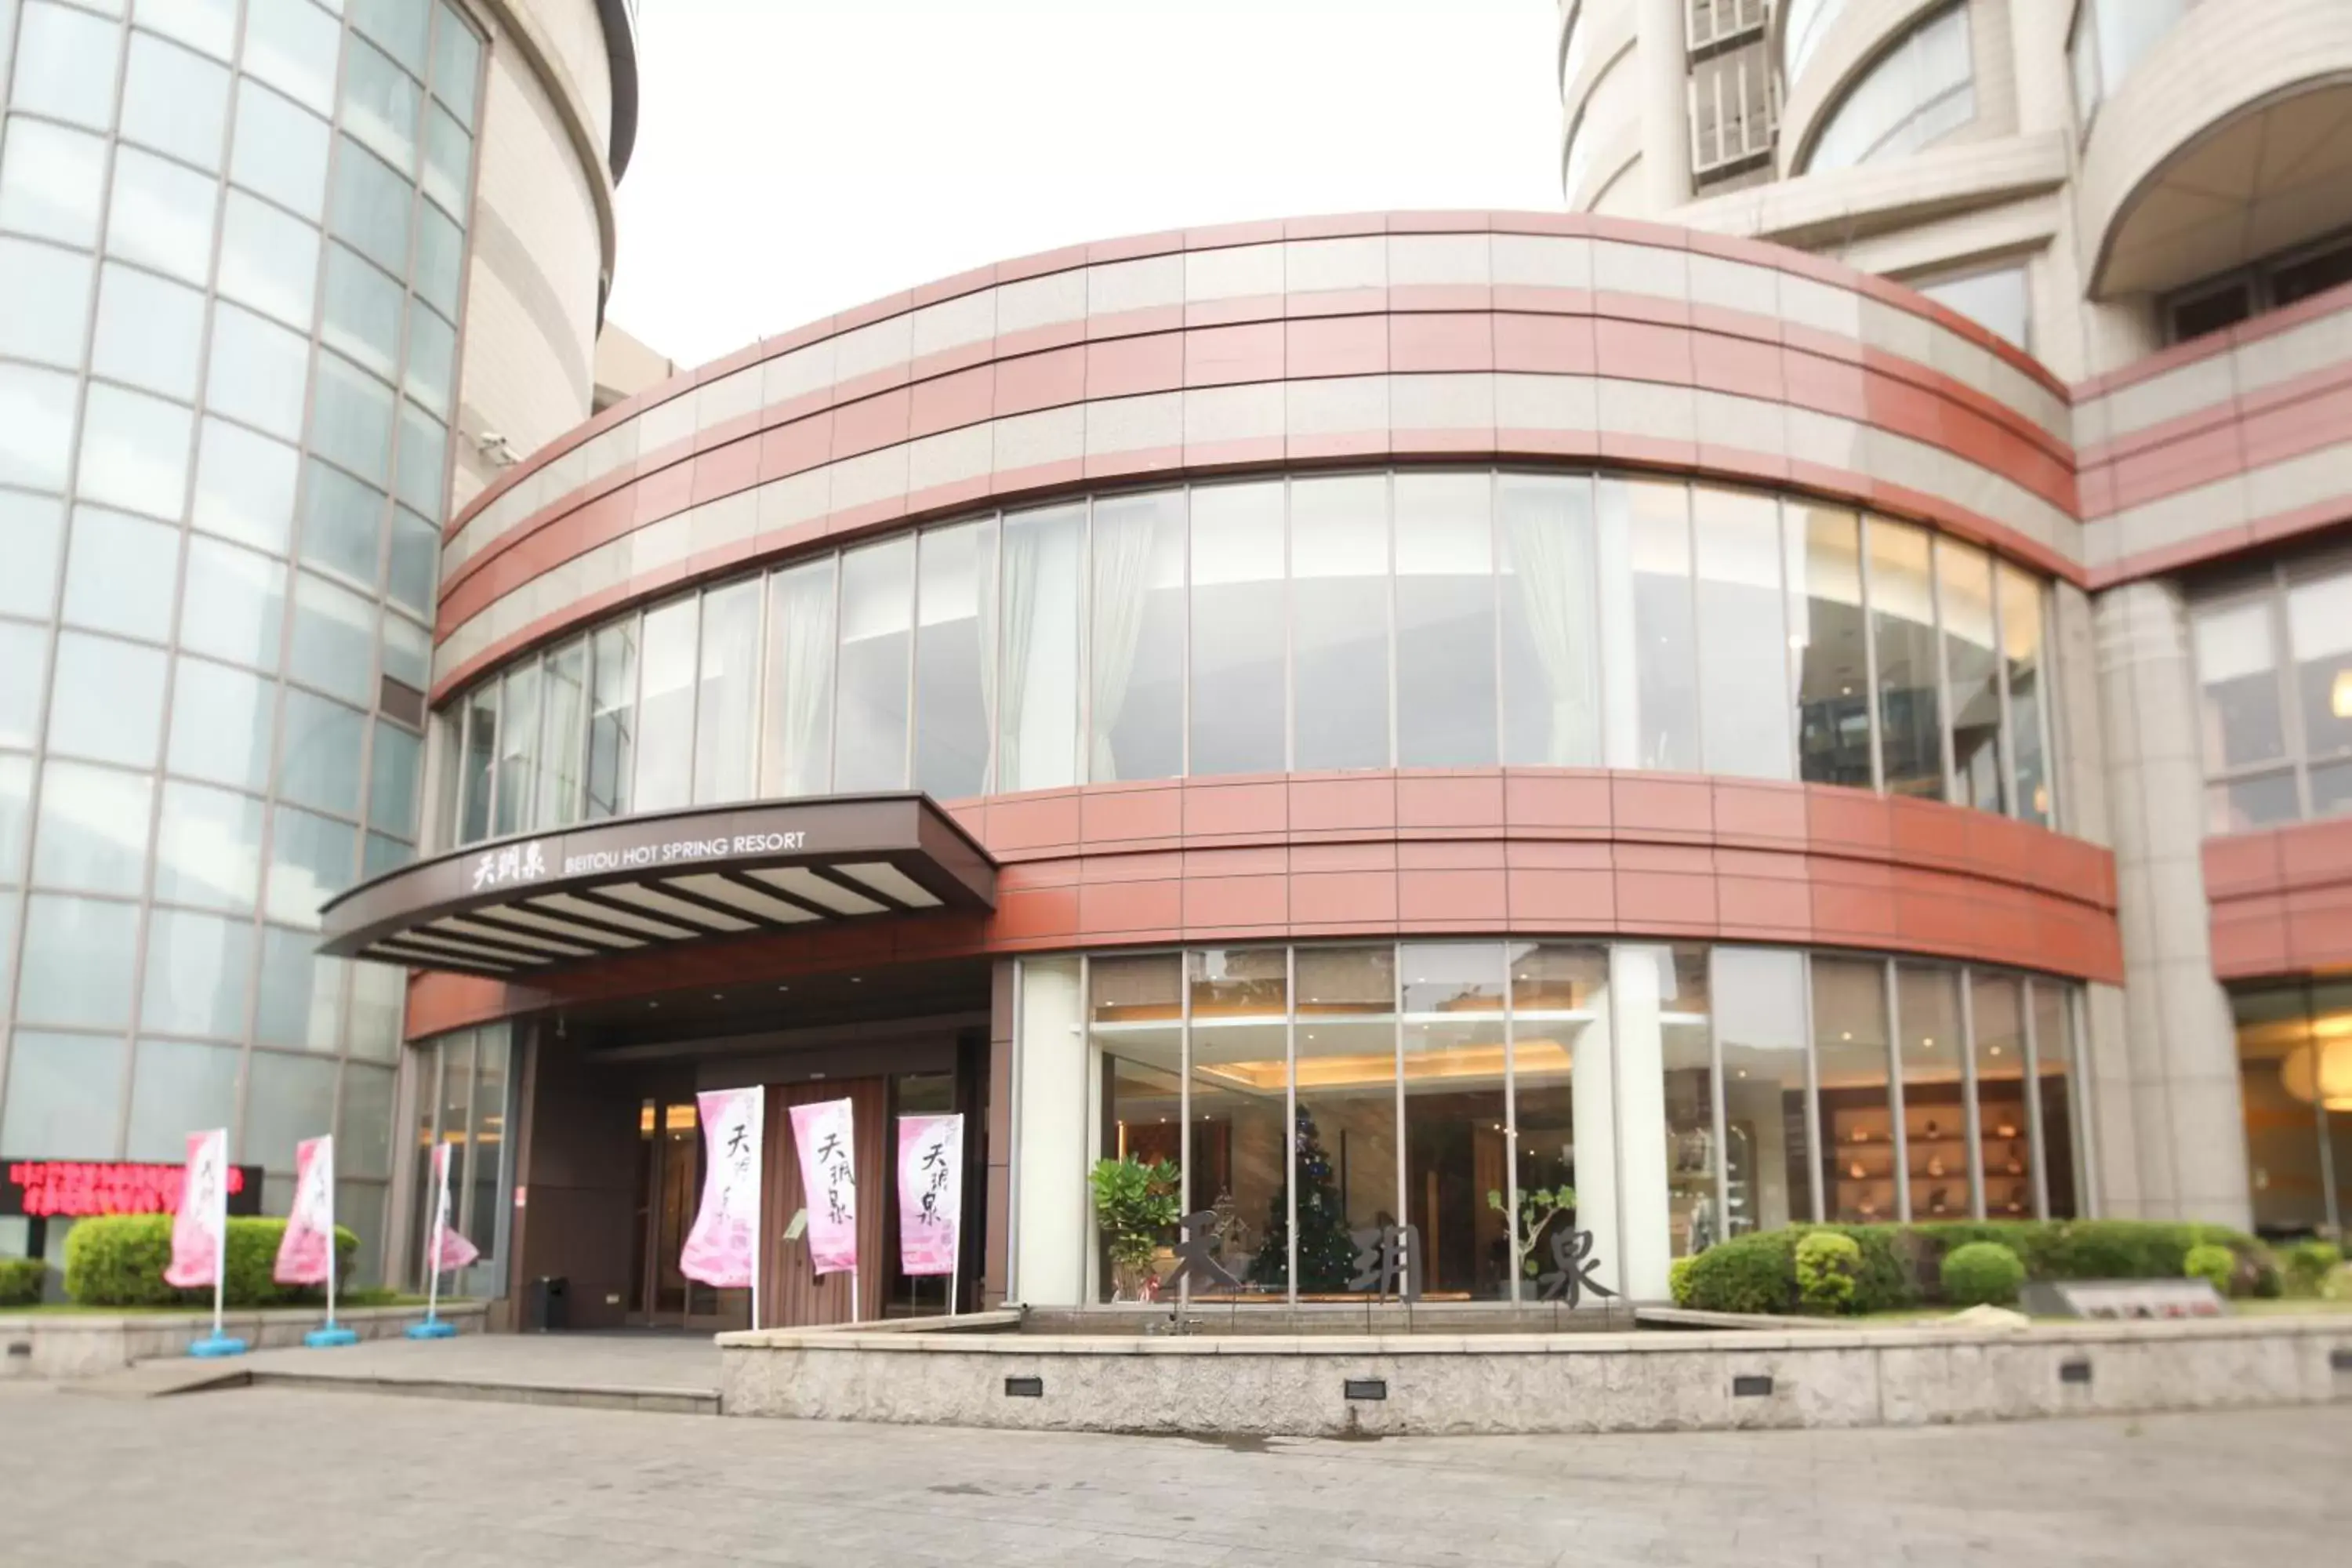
column 1374, row 711
column 275, row 270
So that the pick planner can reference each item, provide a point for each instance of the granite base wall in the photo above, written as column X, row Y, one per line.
column 55, row 1347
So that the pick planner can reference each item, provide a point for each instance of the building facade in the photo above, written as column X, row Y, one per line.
column 2154, row 198
column 278, row 281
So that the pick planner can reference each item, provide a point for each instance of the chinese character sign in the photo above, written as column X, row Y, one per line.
column 447, row 1250
column 200, row 1230
column 930, row 1192
column 513, row 863
column 723, row 1248
column 308, row 1249
column 828, row 1170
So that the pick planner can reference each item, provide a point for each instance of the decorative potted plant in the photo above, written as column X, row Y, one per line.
column 1134, row 1203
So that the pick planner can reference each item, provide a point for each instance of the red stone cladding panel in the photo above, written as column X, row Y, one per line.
column 2281, row 900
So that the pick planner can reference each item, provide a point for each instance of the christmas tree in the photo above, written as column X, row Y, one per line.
column 1326, row 1253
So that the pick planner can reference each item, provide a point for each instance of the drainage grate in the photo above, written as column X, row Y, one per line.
column 1024, row 1388
column 2074, row 1372
column 1368, row 1387
column 1751, row 1387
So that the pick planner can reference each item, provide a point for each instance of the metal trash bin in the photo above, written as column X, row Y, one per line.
column 548, row 1305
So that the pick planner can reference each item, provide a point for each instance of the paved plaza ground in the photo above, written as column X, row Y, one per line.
column 272, row 1475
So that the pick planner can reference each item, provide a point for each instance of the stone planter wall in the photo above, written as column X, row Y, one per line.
column 51, row 1346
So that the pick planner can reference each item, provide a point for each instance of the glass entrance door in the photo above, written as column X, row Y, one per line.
column 669, row 1189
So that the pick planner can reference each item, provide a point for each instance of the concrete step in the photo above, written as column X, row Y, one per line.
column 153, row 1379
column 666, row 1401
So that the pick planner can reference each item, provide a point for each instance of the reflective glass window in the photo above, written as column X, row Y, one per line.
column 75, row 969
column 368, row 206
column 334, row 639
column 51, row 181
column 1935, row 1117
column 2004, row 1139
column 877, row 616
column 448, row 151
column 106, row 702
column 300, row 1001
column 258, row 373
column 1136, row 1023
column 176, row 1085
column 66, row 62
column 415, row 562
column 1238, row 1154
column 92, row 836
column 1339, row 592
column 664, row 776
column 430, row 376
column 1911, row 97
column 393, row 768
column 1651, row 658
column 280, row 151
column 2054, row 1057
column 439, row 246
column 1902, row 628
column 399, row 26
column 2000, row 301
column 1759, row 1009
column 161, row 216
column 564, row 702
column 208, row 848
column 1971, row 672
column 1038, row 721
column 119, row 574
column 611, row 720
column 291, row 45
column 361, row 317
column 2319, row 642
column 407, row 651
column 269, row 261
column 15, row 812
column 1137, row 652
column 2241, row 721
column 727, row 695
column 199, row 974
column 148, row 331
column 244, row 486
column 1743, row 635
column 797, row 735
column 1456, row 1148
column 1551, row 658
column 32, row 537
column 343, row 524
column 286, row 1099
column 222, row 724
column 207, row 25
column 36, row 426
column 175, row 102
column 23, row 652
column 1559, row 1019
column 954, row 620
column 517, row 790
column 1445, row 620
column 1859, row 1171
column 135, row 451
column 48, row 291
column 423, row 445
column 2022, row 620
column 381, row 104
column 1238, row 637
column 350, row 419
column 457, row 62
column 312, row 858
column 65, row 1094
column 318, row 762
column 476, row 771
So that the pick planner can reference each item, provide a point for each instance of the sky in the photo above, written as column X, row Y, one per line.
column 797, row 157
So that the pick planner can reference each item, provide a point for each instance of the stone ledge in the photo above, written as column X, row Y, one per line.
column 90, row 1344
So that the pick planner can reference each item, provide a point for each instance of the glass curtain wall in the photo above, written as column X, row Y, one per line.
column 465, row 1095
column 2295, row 1073
column 2275, row 695
column 1427, row 618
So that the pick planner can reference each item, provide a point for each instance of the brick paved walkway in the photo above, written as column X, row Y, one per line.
column 251, row 1476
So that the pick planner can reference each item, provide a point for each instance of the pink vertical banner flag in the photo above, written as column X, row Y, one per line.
column 829, row 1171
column 447, row 1250
column 200, row 1229
column 930, row 1192
column 723, row 1248
column 307, row 1252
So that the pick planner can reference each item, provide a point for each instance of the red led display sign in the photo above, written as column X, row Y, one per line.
column 69, row 1189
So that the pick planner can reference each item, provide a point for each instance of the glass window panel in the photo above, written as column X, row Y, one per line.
column 208, row 848
column 1345, row 1147
column 1661, row 993
column 1759, row 1007
column 612, row 720
column 518, row 782
column 15, row 810
column 368, row 206
column 2004, row 1136
column 379, row 994
column 199, row 974
column 422, row 450
column 290, row 1098
column 2053, row 1053
column 161, row 216
column 1339, row 593
column 457, row 63
column 565, row 706
column 1646, row 569
column 291, row 45
column 36, row 426
column 1935, row 1117
column 431, row 374
column 439, row 246
column 175, row 102
column 107, row 701
column 1238, row 637
column 1551, row 693
column 2127, row 30
column 876, row 614
column 399, row 26
column 1037, row 727
column 32, row 535
column 269, row 261
column 300, row 1002
column 476, row 771
column 1856, row 1117
column 1238, row 1152
column 362, row 316
column 363, row 1128
column 1445, row 620
column 119, row 574
column 1971, row 672
column 65, row 1096
column 1457, row 1147
column 1136, row 1010
column 77, row 964
column 149, row 332
column 2237, row 675
column 176, row 1086
column 1743, row 636
column 797, row 739
column 65, row 64
column 1915, row 92
column 1560, row 1004
column 93, row 829
column 2331, row 789
column 343, row 524
column 1903, row 627
column 257, row 371
column 665, row 749
column 221, row 721
column 379, row 855
column 319, row 765
column 2021, row 616
column 1138, row 630
column 51, row 181
column 416, row 561
column 1999, row 300
column 2319, row 636
column 47, row 290
column 310, row 860
column 210, row 25
column 351, row 422
column 381, row 105
column 727, row 695
column 23, row 651
column 2277, row 1058
column 135, row 451
column 334, row 641
column 244, row 486
column 448, row 150
column 955, row 620
column 280, row 151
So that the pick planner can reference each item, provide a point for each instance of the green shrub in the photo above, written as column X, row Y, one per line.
column 118, row 1261
column 2211, row 1261
column 20, row 1281
column 2307, row 1264
column 1981, row 1273
column 1679, row 1283
column 1752, row 1273
column 2337, row 1287
column 1826, row 1266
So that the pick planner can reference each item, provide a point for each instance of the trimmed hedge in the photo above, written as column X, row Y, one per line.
column 1902, row 1266
column 1983, row 1274
column 20, row 1281
column 2307, row 1264
column 118, row 1261
column 2206, row 1261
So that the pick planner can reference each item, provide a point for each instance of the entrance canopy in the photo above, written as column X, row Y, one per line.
column 523, row 904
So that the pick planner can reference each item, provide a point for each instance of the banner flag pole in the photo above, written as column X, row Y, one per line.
column 330, row 1335
column 432, row 1328
column 207, row 1206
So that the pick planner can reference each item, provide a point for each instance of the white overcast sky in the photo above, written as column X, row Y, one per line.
column 797, row 157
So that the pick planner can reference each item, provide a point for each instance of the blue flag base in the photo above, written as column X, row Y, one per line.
column 218, row 1345
column 433, row 1329
column 329, row 1338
